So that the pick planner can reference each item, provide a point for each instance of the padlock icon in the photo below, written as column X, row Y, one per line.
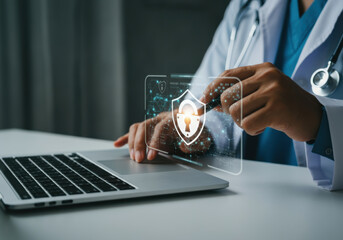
column 162, row 86
column 188, row 121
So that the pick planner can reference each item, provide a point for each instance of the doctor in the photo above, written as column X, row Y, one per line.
column 284, row 121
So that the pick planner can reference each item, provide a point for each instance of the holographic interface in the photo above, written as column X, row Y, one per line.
column 180, row 126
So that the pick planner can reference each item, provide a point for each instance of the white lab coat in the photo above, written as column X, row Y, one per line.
column 320, row 44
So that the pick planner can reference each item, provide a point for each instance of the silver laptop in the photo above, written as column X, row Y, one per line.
column 82, row 177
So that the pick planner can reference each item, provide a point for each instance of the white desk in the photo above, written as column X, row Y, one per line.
column 267, row 201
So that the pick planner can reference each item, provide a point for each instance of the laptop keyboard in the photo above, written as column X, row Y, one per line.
column 58, row 175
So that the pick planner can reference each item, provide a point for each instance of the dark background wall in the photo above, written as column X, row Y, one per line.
column 164, row 37
column 78, row 66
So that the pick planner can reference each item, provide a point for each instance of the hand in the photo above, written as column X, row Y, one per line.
column 160, row 134
column 270, row 99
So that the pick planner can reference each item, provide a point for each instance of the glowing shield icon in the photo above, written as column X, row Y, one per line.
column 162, row 86
column 186, row 120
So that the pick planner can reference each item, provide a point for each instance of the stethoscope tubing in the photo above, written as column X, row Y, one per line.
column 337, row 51
column 234, row 34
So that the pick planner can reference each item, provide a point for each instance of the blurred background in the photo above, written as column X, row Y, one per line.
column 77, row 67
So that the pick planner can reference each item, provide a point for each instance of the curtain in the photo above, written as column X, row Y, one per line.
column 62, row 66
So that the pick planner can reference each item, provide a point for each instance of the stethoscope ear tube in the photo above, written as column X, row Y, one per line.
column 247, row 42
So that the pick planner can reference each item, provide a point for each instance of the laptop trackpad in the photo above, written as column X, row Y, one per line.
column 125, row 166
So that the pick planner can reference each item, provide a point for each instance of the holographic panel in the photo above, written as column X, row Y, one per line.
column 179, row 125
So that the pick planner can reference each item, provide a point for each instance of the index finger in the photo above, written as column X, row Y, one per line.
column 121, row 141
column 227, row 79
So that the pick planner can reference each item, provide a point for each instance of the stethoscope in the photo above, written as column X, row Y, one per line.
column 244, row 9
column 324, row 81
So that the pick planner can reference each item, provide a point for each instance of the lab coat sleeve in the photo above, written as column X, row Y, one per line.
column 212, row 65
column 323, row 144
column 326, row 172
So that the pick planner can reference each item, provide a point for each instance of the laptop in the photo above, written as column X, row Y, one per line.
column 51, row 180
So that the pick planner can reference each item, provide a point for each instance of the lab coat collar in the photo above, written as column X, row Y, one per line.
column 272, row 15
column 321, row 30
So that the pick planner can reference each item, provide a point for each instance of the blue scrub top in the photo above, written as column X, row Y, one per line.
column 272, row 145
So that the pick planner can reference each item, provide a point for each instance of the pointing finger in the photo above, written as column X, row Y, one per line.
column 121, row 141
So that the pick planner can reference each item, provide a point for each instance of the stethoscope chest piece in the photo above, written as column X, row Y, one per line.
column 324, row 81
